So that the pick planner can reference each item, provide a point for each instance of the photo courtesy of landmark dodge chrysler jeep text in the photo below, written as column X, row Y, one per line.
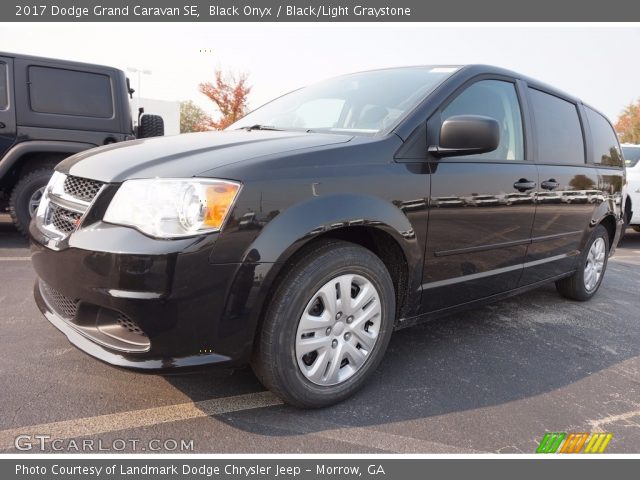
column 299, row 238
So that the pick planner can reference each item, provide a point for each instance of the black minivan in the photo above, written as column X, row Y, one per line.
column 300, row 237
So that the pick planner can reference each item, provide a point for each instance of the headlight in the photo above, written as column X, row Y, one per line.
column 168, row 208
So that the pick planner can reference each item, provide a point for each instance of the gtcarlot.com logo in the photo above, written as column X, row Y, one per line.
column 47, row 443
column 561, row 442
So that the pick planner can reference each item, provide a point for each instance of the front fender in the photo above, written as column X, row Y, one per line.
column 315, row 216
column 294, row 227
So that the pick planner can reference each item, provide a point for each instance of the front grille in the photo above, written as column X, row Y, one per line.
column 63, row 220
column 128, row 324
column 82, row 188
column 63, row 305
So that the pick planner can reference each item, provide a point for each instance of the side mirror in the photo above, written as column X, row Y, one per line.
column 467, row 135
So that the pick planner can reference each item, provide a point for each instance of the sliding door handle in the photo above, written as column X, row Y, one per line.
column 550, row 184
column 523, row 185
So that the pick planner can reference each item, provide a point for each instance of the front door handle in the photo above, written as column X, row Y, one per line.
column 523, row 185
column 550, row 184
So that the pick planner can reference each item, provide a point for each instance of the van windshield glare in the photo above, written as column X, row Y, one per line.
column 361, row 103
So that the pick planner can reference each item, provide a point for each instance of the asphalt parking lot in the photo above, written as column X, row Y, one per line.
column 494, row 379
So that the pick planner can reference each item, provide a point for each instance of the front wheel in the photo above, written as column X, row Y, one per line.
column 327, row 326
column 584, row 283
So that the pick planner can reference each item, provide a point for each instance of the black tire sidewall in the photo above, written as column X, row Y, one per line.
column 22, row 192
column 287, row 308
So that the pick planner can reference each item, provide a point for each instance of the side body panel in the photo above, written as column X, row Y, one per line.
column 7, row 106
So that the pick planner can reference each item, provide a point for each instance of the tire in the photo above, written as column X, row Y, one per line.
column 575, row 286
column 627, row 218
column 278, row 361
column 636, row 228
column 23, row 196
column 150, row 126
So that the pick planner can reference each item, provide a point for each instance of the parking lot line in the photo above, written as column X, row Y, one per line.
column 14, row 259
column 88, row 426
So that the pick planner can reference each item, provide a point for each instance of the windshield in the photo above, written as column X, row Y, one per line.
column 360, row 103
column 631, row 155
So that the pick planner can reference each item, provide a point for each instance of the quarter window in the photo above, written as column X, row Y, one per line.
column 606, row 150
column 69, row 92
column 558, row 132
column 496, row 99
column 4, row 90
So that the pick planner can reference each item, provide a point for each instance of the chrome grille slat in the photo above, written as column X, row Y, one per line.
column 66, row 208
column 82, row 188
column 63, row 220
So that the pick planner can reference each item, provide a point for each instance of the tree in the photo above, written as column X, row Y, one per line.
column 229, row 92
column 193, row 118
column 628, row 125
column 581, row 182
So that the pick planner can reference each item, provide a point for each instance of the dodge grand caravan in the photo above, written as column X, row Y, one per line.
column 301, row 237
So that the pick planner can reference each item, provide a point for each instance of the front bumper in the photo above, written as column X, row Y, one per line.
column 153, row 311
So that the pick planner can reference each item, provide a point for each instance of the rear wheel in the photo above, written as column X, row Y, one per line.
column 327, row 326
column 636, row 228
column 584, row 283
column 26, row 196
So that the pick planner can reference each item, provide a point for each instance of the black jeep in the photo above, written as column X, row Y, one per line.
column 51, row 109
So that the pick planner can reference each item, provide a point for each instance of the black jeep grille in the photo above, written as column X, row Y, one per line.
column 63, row 305
column 63, row 220
column 82, row 188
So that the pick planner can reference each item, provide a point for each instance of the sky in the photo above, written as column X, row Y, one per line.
column 593, row 62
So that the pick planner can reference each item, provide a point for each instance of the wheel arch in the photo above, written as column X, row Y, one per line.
column 368, row 221
column 25, row 157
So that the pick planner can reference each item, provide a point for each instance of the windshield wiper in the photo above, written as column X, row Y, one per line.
column 259, row 127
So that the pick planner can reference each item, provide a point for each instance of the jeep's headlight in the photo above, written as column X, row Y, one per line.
column 168, row 208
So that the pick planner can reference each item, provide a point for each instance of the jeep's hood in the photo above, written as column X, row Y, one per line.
column 187, row 155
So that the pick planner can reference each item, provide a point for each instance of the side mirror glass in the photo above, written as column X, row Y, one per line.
column 467, row 135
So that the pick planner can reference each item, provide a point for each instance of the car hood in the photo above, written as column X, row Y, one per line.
column 187, row 155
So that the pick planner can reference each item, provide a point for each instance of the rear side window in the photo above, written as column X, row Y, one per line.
column 496, row 99
column 4, row 90
column 558, row 132
column 606, row 150
column 69, row 92
column 631, row 155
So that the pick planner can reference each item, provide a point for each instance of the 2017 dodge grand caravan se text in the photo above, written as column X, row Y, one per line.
column 299, row 238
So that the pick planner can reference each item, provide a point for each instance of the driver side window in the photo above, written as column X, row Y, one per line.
column 496, row 99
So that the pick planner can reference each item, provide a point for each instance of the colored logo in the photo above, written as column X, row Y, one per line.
column 562, row 442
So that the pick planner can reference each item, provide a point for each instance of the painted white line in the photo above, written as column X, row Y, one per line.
column 388, row 442
column 15, row 259
column 596, row 425
column 140, row 418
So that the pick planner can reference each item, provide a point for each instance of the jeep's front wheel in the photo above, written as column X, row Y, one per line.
column 327, row 326
column 26, row 196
